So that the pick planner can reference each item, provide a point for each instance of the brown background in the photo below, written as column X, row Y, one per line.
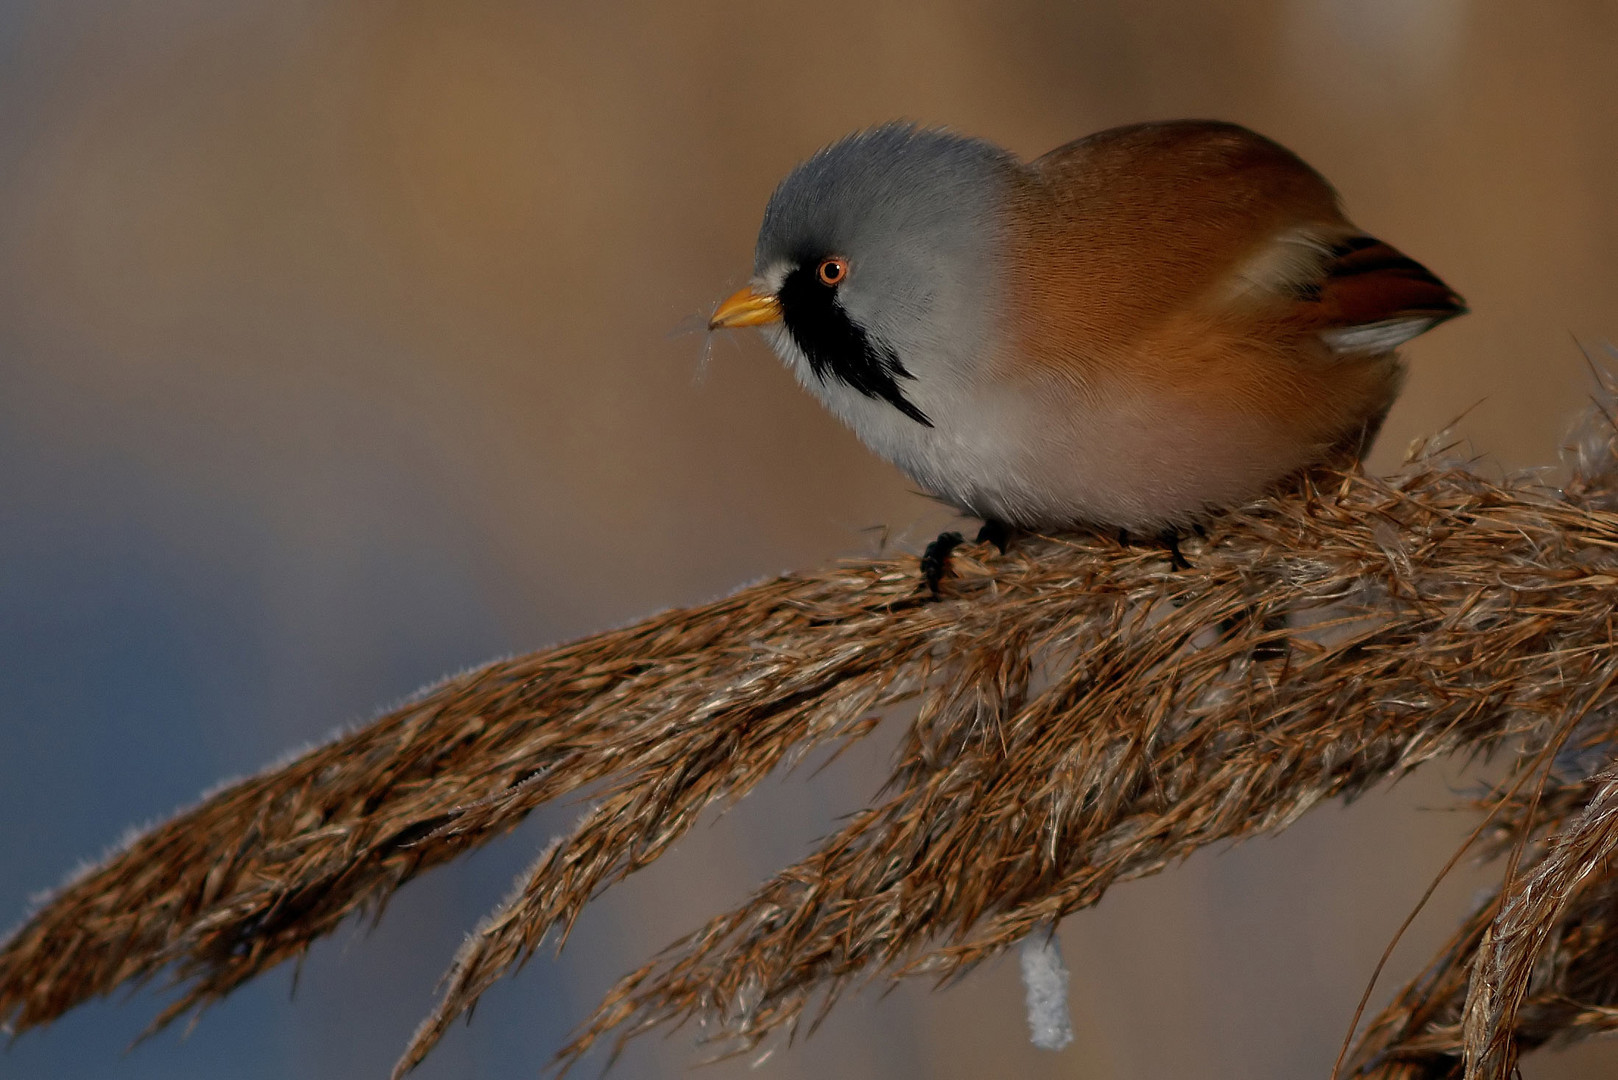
column 336, row 354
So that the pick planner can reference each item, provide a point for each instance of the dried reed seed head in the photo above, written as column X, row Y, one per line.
column 1087, row 715
column 1539, row 967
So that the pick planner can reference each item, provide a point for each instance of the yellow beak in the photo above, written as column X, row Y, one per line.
column 745, row 308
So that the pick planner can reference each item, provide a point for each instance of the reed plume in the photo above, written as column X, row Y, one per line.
column 1084, row 714
column 1536, row 964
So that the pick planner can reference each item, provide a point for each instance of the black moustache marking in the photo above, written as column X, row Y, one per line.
column 836, row 346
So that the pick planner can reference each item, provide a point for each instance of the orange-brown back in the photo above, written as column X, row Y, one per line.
column 1127, row 227
column 1206, row 277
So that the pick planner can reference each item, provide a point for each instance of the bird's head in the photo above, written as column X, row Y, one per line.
column 878, row 262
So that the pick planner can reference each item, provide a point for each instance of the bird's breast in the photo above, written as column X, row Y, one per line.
column 1197, row 418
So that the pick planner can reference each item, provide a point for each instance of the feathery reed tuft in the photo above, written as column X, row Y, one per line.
column 1086, row 714
column 1537, row 965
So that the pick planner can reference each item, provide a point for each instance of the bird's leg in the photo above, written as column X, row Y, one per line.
column 1170, row 538
column 995, row 532
column 935, row 560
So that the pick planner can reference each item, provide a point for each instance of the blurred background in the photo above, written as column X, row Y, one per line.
column 340, row 350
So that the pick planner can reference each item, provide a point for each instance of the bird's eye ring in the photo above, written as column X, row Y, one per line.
column 832, row 271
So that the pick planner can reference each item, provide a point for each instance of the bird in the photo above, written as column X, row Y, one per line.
column 1135, row 331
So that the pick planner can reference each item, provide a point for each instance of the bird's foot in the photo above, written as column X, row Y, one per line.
column 995, row 532
column 1170, row 538
column 935, row 560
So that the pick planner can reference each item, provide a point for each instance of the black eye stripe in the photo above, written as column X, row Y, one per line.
column 836, row 346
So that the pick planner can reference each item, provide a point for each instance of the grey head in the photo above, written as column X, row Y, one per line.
column 882, row 252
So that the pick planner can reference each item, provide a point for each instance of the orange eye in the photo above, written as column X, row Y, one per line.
column 832, row 271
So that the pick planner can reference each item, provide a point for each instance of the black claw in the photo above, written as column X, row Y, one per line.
column 995, row 532
column 1171, row 539
column 935, row 560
